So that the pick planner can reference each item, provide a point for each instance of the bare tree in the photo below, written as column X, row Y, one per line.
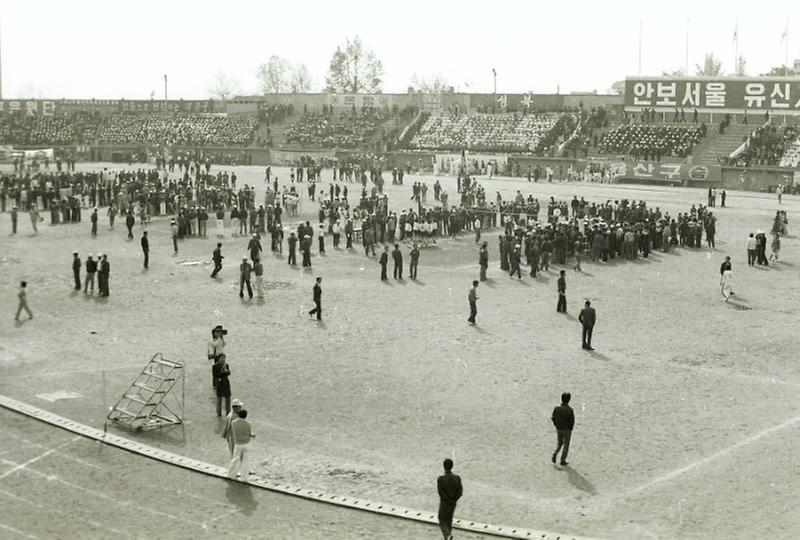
column 223, row 86
column 354, row 68
column 279, row 75
column 433, row 84
column 711, row 67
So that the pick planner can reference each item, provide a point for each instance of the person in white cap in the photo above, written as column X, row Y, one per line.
column 227, row 434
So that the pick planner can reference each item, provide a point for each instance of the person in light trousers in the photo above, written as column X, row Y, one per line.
column 242, row 432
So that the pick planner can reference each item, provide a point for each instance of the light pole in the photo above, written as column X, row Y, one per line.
column 494, row 74
column 165, row 88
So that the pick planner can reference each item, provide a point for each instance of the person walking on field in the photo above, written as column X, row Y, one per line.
column 241, row 432
column 483, row 260
column 473, row 302
column 726, row 284
column 317, row 300
column 244, row 278
column 34, row 213
column 227, row 432
column 450, row 491
column 76, row 270
column 217, row 258
column 146, row 249
column 561, row 307
column 564, row 420
column 22, row 295
column 258, row 270
column 587, row 319
column 397, row 257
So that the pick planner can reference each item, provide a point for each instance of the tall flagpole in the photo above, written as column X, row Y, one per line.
column 787, row 45
column 640, row 47
column 686, row 64
column 736, row 48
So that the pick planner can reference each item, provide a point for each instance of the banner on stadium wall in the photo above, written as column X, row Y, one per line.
column 360, row 100
column 673, row 172
column 779, row 95
column 285, row 157
column 41, row 107
column 155, row 106
column 516, row 102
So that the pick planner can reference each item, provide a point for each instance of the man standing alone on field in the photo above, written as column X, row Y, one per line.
column 146, row 249
column 450, row 490
column 562, row 293
column 473, row 302
column 564, row 420
column 587, row 319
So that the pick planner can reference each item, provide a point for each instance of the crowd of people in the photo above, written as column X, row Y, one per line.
column 345, row 130
column 60, row 130
column 770, row 145
column 650, row 142
column 197, row 130
column 506, row 132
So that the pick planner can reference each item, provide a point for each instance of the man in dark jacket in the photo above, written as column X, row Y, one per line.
column 587, row 318
column 292, row 249
column 130, row 221
column 483, row 260
column 562, row 293
column 384, row 260
column 146, row 249
column 76, row 270
column 397, row 257
column 91, row 270
column 244, row 278
column 317, row 300
column 450, row 490
column 564, row 420
column 103, row 275
column 217, row 258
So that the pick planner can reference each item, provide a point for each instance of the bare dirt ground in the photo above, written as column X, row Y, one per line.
column 687, row 412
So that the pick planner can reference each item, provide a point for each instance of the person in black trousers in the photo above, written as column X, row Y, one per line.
column 146, row 249
column 222, row 383
column 130, row 221
column 473, row 302
column 561, row 307
column 217, row 258
column 587, row 318
column 292, row 250
column 397, row 257
column 244, row 278
column 317, row 300
column 76, row 270
column 450, row 490
column 384, row 260
column 564, row 420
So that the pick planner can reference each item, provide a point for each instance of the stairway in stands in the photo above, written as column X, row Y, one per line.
column 716, row 146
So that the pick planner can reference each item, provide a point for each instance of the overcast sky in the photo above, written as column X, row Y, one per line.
column 109, row 49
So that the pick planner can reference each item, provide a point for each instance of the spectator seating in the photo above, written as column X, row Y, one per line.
column 652, row 142
column 791, row 157
column 196, row 130
column 24, row 129
column 349, row 130
column 767, row 145
column 484, row 132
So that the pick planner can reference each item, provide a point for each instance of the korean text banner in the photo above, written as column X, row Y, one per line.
column 780, row 95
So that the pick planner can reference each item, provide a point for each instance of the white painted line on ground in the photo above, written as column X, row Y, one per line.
column 17, row 531
column 66, row 456
column 50, row 509
column 351, row 502
column 713, row 457
column 37, row 458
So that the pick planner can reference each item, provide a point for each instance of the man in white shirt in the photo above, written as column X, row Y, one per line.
column 751, row 250
column 241, row 432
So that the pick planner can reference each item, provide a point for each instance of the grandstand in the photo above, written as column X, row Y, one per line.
column 347, row 130
column 484, row 132
column 182, row 130
column 652, row 142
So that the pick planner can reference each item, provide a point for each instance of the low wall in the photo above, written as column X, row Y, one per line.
column 758, row 178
